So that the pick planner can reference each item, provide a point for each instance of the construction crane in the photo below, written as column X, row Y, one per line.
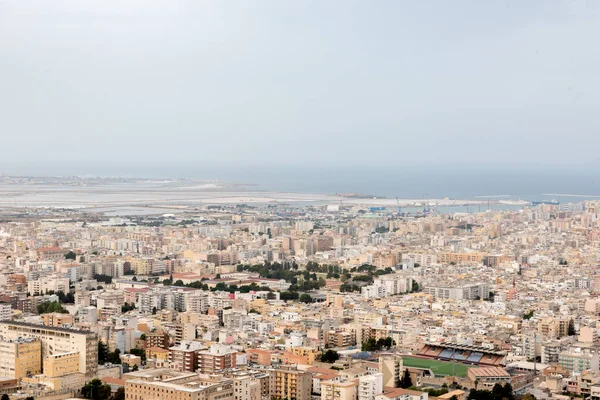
column 399, row 208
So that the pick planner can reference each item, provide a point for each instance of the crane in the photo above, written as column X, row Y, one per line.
column 399, row 208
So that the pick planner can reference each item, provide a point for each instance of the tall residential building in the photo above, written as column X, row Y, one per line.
column 459, row 291
column 217, row 358
column 336, row 390
column 578, row 361
column 390, row 365
column 246, row 387
column 5, row 311
column 184, row 357
column 290, row 383
column 370, row 386
column 20, row 357
column 57, row 341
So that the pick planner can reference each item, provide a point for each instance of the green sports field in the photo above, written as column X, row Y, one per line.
column 438, row 367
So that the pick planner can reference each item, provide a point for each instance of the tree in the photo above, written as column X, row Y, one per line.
column 134, row 279
column 71, row 256
column 5, row 397
column 115, row 357
column 96, row 390
column 453, row 397
column 154, row 310
column 119, row 394
column 305, row 298
column 135, row 367
column 102, row 353
column 51, row 307
column 415, row 287
column 406, row 380
column 571, row 329
column 330, row 356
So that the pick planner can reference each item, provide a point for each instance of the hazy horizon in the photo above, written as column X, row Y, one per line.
column 143, row 84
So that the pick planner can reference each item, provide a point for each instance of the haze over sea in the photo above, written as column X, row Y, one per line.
column 414, row 182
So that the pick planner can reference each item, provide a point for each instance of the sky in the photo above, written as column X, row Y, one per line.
column 90, row 85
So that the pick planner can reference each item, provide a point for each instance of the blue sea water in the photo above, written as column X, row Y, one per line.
column 406, row 182
column 422, row 182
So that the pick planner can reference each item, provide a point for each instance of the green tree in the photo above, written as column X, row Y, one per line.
column 119, row 394
column 135, row 367
column 114, row 357
column 96, row 390
column 154, row 310
column 406, row 380
column 305, row 298
column 330, row 356
column 70, row 256
column 571, row 328
column 51, row 307
column 415, row 287
column 4, row 397
column 102, row 353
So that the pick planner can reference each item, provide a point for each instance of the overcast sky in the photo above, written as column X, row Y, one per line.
column 147, row 82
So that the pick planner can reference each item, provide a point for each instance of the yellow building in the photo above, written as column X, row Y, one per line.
column 334, row 390
column 61, row 364
column 290, row 383
column 168, row 384
column 20, row 357
column 310, row 353
column 57, row 319
column 57, row 341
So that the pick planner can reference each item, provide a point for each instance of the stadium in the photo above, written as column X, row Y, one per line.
column 472, row 355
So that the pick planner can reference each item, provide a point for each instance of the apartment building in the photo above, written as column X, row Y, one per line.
column 57, row 319
column 55, row 340
column 336, row 390
column 390, row 366
column 290, row 383
column 184, row 357
column 217, row 358
column 246, row 387
column 20, row 357
column 458, row 291
column 370, row 386
column 578, row 360
column 168, row 384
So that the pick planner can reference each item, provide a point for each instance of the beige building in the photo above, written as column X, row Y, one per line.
column 57, row 341
column 57, row 319
column 172, row 385
column 290, row 383
column 334, row 390
column 61, row 364
column 487, row 377
column 20, row 357
column 246, row 387
column 390, row 365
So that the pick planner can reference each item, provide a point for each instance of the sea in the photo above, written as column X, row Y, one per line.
column 418, row 182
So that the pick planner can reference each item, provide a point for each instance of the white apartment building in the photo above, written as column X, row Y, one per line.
column 370, row 386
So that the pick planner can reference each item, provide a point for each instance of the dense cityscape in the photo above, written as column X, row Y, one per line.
column 280, row 301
